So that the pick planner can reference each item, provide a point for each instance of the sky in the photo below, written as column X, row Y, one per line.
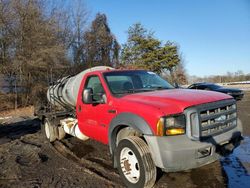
column 213, row 35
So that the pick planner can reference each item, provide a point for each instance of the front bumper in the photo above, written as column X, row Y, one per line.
column 238, row 96
column 177, row 153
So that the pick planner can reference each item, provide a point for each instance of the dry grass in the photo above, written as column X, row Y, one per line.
column 25, row 111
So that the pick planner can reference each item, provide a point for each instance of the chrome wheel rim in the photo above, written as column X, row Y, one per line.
column 129, row 165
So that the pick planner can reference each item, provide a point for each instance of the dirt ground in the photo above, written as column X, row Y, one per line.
column 28, row 160
column 244, row 112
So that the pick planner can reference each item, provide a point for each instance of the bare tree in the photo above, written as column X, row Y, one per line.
column 79, row 21
column 31, row 45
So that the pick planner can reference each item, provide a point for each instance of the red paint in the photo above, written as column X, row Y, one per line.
column 94, row 120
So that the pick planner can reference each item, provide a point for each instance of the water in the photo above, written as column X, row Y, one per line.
column 237, row 165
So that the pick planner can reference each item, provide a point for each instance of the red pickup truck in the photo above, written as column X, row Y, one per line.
column 148, row 124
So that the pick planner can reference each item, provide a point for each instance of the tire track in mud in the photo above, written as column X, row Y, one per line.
column 95, row 167
column 30, row 162
column 19, row 164
column 27, row 150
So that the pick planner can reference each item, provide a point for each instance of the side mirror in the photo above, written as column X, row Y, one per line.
column 87, row 96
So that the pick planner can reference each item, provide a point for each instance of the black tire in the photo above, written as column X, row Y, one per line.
column 137, row 150
column 50, row 131
column 124, row 133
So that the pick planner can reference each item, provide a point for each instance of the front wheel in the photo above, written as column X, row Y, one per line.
column 135, row 164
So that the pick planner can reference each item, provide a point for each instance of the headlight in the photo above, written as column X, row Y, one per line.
column 171, row 125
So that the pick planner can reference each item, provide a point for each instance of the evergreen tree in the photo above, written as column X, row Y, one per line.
column 100, row 46
column 143, row 50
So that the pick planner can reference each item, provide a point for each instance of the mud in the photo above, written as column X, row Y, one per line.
column 243, row 107
column 28, row 160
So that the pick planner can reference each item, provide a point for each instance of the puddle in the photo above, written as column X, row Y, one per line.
column 237, row 165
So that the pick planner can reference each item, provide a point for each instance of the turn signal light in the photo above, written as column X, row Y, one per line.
column 160, row 127
column 175, row 131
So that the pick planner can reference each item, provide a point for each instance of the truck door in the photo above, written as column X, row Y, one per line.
column 93, row 118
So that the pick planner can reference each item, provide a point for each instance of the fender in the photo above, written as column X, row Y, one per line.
column 127, row 119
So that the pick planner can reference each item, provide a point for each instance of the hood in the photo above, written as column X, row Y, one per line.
column 228, row 90
column 175, row 100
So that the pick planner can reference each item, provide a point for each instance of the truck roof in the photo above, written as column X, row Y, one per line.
column 118, row 70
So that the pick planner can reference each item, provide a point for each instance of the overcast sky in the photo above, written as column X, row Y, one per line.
column 213, row 35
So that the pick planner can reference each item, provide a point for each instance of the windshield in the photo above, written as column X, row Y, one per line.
column 124, row 82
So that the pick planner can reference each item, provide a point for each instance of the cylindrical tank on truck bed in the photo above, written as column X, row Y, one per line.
column 64, row 92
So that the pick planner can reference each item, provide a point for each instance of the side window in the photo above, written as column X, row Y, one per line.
column 201, row 87
column 117, row 82
column 95, row 84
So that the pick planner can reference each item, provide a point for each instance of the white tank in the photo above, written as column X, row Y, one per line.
column 65, row 91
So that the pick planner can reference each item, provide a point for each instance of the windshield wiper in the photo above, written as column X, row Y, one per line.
column 134, row 90
column 140, row 90
column 146, row 89
column 160, row 88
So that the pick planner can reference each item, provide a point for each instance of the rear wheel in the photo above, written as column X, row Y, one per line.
column 135, row 164
column 49, row 131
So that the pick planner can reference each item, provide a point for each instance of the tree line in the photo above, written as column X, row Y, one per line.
column 237, row 76
column 41, row 41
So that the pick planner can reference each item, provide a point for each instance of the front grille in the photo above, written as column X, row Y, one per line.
column 211, row 119
column 216, row 120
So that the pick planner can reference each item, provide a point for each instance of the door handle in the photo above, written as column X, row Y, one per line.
column 79, row 108
column 112, row 111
